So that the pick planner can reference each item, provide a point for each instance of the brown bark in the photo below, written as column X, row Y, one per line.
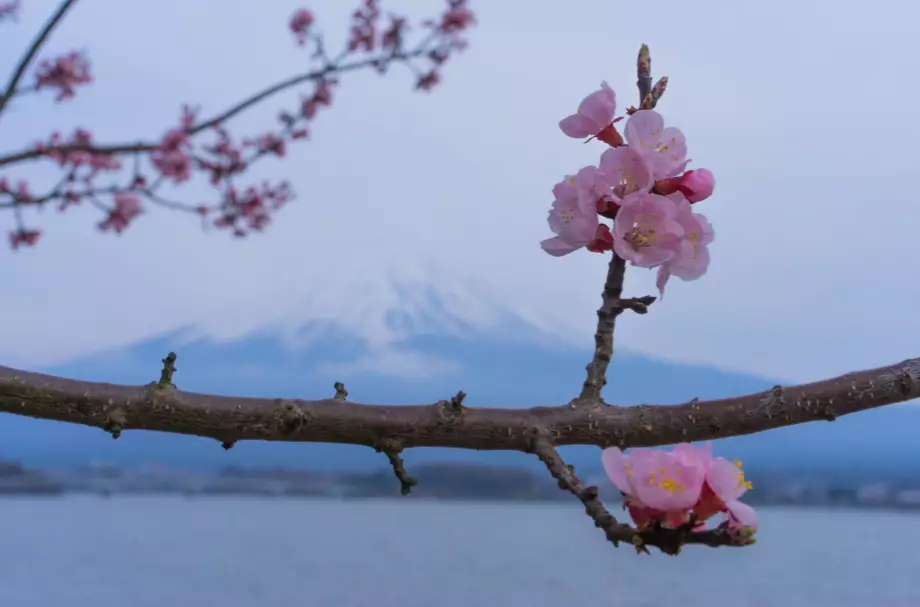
column 450, row 423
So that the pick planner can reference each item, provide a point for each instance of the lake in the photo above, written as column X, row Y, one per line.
column 247, row 552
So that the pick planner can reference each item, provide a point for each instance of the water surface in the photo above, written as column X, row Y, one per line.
column 247, row 552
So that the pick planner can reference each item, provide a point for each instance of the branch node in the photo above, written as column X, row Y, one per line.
column 340, row 392
column 115, row 422
column 392, row 448
column 290, row 417
column 451, row 410
column 169, row 368
column 639, row 305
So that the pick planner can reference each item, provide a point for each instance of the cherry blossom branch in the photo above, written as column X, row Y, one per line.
column 390, row 429
column 121, row 149
column 32, row 51
column 667, row 540
column 175, row 157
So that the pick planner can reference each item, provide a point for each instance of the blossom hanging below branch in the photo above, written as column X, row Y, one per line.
column 94, row 172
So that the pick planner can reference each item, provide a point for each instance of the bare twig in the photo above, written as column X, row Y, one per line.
column 33, row 49
column 448, row 423
column 392, row 448
column 612, row 305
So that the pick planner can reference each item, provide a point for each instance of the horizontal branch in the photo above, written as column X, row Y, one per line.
column 120, row 149
column 160, row 406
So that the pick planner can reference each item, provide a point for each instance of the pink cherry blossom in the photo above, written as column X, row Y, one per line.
column 664, row 149
column 646, row 231
column 726, row 479
column 623, row 173
column 126, row 209
column 64, row 74
column 594, row 114
column 573, row 216
column 659, row 485
column 692, row 259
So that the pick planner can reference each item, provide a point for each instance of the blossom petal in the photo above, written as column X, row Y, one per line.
column 616, row 465
column 740, row 516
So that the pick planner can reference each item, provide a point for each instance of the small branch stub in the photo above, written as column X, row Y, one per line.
column 169, row 368
column 451, row 410
column 392, row 448
column 340, row 392
column 115, row 422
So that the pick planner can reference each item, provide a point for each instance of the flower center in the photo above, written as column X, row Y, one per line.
column 663, row 480
column 640, row 238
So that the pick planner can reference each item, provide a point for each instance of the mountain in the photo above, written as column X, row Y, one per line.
column 497, row 372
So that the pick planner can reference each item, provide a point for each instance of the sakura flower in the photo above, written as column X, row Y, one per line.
column 623, row 173
column 573, row 216
column 695, row 185
column 595, row 113
column 658, row 485
column 646, row 231
column 692, row 259
column 664, row 149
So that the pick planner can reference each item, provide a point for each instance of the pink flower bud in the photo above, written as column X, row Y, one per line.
column 695, row 185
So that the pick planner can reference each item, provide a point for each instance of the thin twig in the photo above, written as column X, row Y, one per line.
column 612, row 305
column 392, row 448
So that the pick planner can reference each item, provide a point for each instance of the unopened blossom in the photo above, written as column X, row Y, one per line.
column 658, row 485
column 692, row 258
column 696, row 185
column 300, row 25
column 594, row 114
column 573, row 216
column 646, row 231
column 602, row 241
column 664, row 149
column 740, row 517
column 623, row 174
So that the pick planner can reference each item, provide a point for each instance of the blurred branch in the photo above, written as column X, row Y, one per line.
column 32, row 50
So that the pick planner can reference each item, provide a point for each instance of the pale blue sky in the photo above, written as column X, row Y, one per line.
column 804, row 112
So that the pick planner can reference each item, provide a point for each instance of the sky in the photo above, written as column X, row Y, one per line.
column 433, row 205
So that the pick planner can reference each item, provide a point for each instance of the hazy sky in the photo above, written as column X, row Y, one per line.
column 805, row 112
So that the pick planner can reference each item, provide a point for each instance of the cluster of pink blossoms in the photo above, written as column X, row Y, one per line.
column 642, row 184
column 680, row 487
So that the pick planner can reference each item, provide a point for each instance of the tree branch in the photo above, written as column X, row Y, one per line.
column 449, row 423
column 668, row 541
column 120, row 149
column 612, row 305
column 33, row 49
